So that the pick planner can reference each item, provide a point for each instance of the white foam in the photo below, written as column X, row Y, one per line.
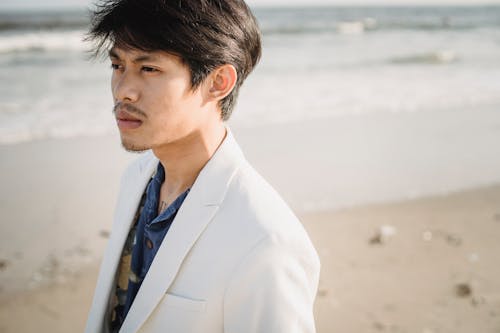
column 351, row 27
column 435, row 57
column 43, row 41
column 394, row 89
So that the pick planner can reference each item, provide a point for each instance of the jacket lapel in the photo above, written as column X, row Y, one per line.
column 127, row 204
column 196, row 212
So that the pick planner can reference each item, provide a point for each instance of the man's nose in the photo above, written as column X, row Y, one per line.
column 125, row 87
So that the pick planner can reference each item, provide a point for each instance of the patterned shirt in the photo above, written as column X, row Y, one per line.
column 141, row 246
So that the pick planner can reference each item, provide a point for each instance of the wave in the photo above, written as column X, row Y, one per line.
column 356, row 27
column 340, row 27
column 360, row 26
column 43, row 42
column 436, row 57
column 63, row 132
column 43, row 21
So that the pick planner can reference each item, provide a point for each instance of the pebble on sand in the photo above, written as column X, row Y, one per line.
column 322, row 292
column 463, row 290
column 427, row 235
column 104, row 233
column 383, row 234
column 453, row 240
column 473, row 257
column 3, row 264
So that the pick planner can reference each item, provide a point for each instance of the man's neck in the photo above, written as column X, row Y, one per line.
column 184, row 160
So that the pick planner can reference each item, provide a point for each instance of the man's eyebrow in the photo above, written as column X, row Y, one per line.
column 145, row 57
column 112, row 54
column 141, row 58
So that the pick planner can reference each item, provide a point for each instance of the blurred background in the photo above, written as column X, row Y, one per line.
column 379, row 123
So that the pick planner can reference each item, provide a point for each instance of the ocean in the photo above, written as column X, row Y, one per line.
column 318, row 63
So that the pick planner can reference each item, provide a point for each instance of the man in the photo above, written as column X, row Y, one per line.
column 200, row 242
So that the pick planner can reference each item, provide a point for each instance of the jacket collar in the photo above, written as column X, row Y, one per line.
column 198, row 209
column 131, row 190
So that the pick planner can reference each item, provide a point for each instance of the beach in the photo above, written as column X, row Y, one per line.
column 379, row 126
column 437, row 273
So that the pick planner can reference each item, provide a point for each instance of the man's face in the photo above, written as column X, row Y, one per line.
column 154, row 103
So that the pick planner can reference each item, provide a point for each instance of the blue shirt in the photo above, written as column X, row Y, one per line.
column 150, row 230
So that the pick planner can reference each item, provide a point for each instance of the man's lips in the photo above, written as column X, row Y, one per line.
column 125, row 121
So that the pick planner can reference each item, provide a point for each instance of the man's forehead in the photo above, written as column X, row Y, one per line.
column 137, row 55
column 122, row 52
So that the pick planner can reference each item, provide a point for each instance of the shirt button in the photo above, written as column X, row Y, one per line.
column 149, row 243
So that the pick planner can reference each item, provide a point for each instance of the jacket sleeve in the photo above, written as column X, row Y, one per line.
column 273, row 289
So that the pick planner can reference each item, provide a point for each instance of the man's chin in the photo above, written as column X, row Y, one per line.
column 133, row 147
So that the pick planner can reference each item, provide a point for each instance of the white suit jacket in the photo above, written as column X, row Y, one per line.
column 234, row 260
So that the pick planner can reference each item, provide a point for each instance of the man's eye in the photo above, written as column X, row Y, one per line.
column 115, row 66
column 149, row 69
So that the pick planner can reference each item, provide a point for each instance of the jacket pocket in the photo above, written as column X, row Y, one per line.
column 180, row 302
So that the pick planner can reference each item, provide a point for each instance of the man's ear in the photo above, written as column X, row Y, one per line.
column 222, row 81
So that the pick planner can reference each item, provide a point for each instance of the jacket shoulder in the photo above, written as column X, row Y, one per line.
column 255, row 199
column 257, row 212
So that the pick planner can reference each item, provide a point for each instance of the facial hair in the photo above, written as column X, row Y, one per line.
column 130, row 146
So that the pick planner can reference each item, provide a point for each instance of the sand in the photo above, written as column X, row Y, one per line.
column 57, row 199
column 424, row 265
column 438, row 272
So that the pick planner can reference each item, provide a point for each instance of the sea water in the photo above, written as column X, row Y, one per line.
column 318, row 63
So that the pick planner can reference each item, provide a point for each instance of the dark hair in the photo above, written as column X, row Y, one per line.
column 204, row 33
